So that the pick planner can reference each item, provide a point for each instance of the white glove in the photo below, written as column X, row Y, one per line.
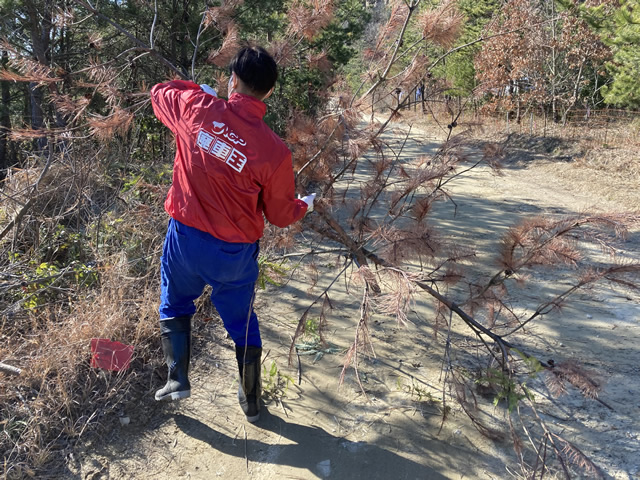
column 207, row 89
column 309, row 201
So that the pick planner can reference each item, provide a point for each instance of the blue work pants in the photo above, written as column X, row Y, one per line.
column 192, row 259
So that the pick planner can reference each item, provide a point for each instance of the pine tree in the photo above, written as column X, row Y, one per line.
column 623, row 35
column 459, row 69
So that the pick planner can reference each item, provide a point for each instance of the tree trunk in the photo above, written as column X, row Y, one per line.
column 5, row 122
column 39, row 29
column 184, row 54
column 554, row 67
column 574, row 97
column 37, row 116
column 173, row 34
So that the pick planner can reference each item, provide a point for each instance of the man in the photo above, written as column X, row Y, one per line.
column 229, row 170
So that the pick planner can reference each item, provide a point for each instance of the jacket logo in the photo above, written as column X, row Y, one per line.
column 221, row 149
column 220, row 128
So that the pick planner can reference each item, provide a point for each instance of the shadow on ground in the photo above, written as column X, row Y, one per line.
column 309, row 448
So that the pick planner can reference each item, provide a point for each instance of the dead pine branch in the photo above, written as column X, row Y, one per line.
column 411, row 8
column 355, row 250
column 477, row 327
column 362, row 256
column 303, row 318
column 362, row 338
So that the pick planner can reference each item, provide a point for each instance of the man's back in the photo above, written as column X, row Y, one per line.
column 230, row 168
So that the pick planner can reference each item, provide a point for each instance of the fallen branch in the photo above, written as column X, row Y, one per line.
column 477, row 327
column 9, row 369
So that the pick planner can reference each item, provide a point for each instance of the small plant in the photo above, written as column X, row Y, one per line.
column 271, row 272
column 275, row 384
column 416, row 392
column 312, row 328
column 35, row 294
column 312, row 342
column 62, row 245
column 85, row 274
column 506, row 388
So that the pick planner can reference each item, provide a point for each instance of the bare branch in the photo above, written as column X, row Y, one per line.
column 31, row 201
column 132, row 37
column 383, row 76
column 153, row 25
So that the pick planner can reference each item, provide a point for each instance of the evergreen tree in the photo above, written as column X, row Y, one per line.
column 459, row 68
column 622, row 33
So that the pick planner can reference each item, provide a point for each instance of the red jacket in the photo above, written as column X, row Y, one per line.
column 230, row 168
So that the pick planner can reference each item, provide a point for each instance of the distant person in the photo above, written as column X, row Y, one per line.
column 230, row 169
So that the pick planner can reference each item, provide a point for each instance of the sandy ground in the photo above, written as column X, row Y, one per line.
column 322, row 430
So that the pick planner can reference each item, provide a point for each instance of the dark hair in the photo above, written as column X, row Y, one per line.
column 256, row 68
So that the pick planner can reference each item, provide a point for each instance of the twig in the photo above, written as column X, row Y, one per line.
column 446, row 357
column 10, row 369
column 23, row 284
column 131, row 37
column 322, row 149
column 31, row 201
column 314, row 252
column 284, row 410
column 391, row 168
column 355, row 249
column 362, row 326
column 196, row 46
column 17, row 218
column 299, row 365
column 246, row 456
column 394, row 55
column 300, row 326
column 87, row 423
column 153, row 25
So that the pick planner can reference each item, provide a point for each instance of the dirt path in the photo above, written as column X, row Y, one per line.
column 320, row 430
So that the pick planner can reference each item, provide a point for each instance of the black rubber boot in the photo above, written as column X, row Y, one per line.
column 249, row 365
column 176, row 344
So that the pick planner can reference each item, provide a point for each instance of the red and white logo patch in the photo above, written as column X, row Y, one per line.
column 236, row 160
column 221, row 149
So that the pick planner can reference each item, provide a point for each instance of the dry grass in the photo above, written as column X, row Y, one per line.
column 87, row 267
column 58, row 398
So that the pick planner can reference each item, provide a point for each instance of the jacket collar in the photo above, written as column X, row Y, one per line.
column 248, row 104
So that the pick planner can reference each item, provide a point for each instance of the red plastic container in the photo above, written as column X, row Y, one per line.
column 109, row 355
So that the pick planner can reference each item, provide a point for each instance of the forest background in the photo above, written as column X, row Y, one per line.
column 86, row 168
